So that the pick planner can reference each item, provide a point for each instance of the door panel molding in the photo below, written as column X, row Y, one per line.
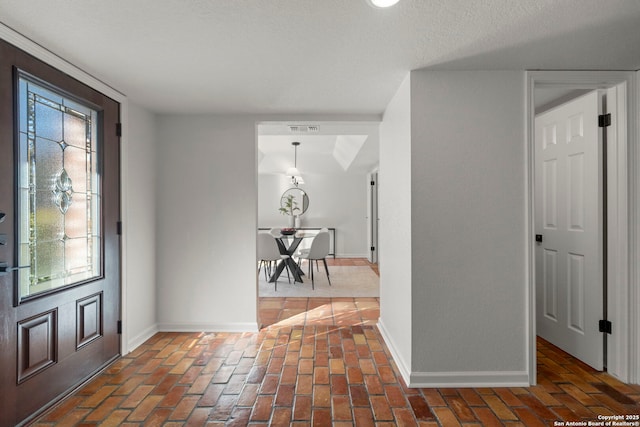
column 37, row 344
column 89, row 318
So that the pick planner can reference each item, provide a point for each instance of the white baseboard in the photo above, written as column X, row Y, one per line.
column 208, row 327
column 140, row 339
column 469, row 379
column 452, row 379
column 400, row 362
column 352, row 255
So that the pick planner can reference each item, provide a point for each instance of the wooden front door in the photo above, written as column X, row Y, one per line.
column 59, row 242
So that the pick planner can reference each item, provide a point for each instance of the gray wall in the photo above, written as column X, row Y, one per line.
column 206, row 223
column 468, row 211
column 395, row 236
column 139, row 224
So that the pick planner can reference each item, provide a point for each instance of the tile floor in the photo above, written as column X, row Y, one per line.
column 320, row 362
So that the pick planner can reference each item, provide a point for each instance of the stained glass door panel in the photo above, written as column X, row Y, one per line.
column 59, row 216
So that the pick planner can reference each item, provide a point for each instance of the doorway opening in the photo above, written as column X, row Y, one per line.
column 334, row 161
column 556, row 88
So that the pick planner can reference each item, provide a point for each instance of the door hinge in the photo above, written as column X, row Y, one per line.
column 604, row 120
column 373, row 183
column 604, row 326
column 119, row 228
column 118, row 129
column 119, row 327
column 373, row 248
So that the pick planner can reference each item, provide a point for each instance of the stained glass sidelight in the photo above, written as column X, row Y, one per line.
column 59, row 199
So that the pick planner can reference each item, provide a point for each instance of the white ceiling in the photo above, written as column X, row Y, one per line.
column 335, row 148
column 316, row 56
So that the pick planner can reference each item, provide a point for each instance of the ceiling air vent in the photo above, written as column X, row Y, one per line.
column 303, row 129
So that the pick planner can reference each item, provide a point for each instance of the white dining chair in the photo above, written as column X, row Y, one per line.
column 269, row 253
column 319, row 250
column 305, row 251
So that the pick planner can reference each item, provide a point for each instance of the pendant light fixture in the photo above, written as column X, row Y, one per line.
column 293, row 172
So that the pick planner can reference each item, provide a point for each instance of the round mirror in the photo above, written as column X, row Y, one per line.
column 294, row 201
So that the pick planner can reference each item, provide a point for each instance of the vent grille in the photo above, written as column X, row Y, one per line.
column 303, row 129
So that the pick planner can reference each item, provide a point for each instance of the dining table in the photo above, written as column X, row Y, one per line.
column 288, row 244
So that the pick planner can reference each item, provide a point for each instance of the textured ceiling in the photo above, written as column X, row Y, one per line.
column 335, row 148
column 316, row 56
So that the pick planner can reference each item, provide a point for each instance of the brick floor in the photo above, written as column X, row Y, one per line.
column 320, row 362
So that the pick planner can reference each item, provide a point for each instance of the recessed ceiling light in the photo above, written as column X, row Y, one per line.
column 382, row 3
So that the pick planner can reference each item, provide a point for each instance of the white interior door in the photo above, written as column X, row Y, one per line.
column 568, row 215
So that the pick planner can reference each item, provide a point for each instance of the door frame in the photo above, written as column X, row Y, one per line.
column 372, row 215
column 41, row 53
column 623, row 184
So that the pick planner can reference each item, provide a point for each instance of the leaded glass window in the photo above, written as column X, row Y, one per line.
column 59, row 190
